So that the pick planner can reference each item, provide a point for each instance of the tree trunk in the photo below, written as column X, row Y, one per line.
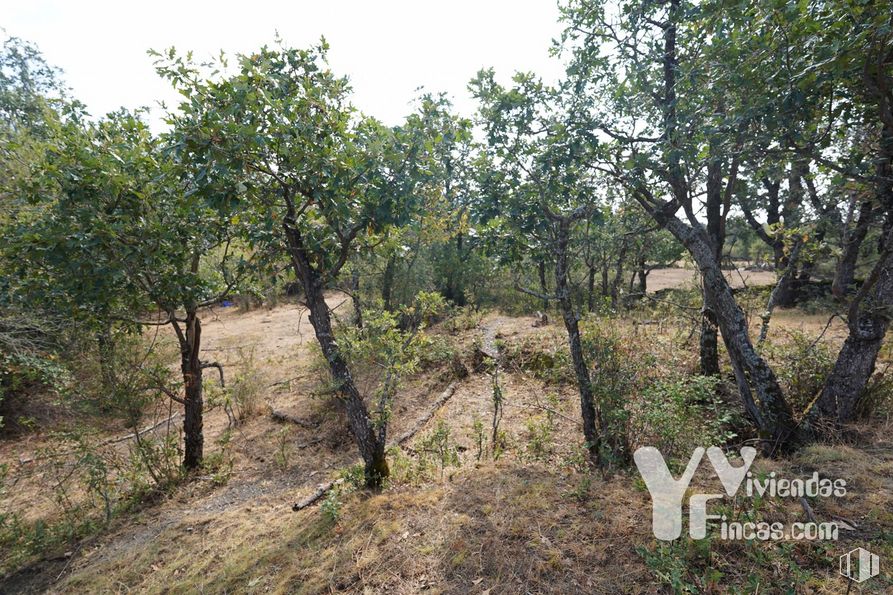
column 581, row 370
column 618, row 274
column 709, row 343
column 869, row 314
column 642, row 274
column 355, row 298
column 192, row 381
column 370, row 439
column 106, row 349
column 387, row 282
column 544, row 288
column 457, row 280
column 715, row 232
column 590, row 296
column 845, row 274
column 868, row 322
column 769, row 412
column 785, row 291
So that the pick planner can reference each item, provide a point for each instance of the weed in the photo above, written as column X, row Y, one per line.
column 331, row 505
column 437, row 447
column 539, row 437
column 283, row 447
column 478, row 436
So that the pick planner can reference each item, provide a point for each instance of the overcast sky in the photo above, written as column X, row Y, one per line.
column 388, row 48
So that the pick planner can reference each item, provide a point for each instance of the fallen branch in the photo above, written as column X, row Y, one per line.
column 323, row 488
column 281, row 416
column 316, row 496
column 141, row 432
column 309, row 443
column 283, row 382
column 441, row 400
column 146, row 430
column 810, row 514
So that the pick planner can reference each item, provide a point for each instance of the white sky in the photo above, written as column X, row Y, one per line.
column 388, row 48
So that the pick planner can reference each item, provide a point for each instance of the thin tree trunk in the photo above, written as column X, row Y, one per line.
column 192, row 381
column 709, row 339
column 845, row 274
column 618, row 274
column 785, row 293
column 106, row 349
column 784, row 281
column 355, row 298
column 642, row 274
column 370, row 439
column 581, row 370
column 457, row 281
column 387, row 282
column 590, row 296
column 544, row 288
column 708, row 345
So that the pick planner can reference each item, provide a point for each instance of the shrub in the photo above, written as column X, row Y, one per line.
column 437, row 449
column 539, row 437
column 462, row 319
column 546, row 357
column 613, row 376
column 678, row 414
column 802, row 363
column 246, row 390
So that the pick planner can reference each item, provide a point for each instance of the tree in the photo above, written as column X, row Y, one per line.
column 320, row 179
column 668, row 109
column 549, row 194
column 830, row 66
column 119, row 231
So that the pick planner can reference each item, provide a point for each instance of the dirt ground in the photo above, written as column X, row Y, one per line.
column 511, row 525
column 681, row 277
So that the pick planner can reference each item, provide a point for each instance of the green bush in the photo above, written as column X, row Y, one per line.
column 613, row 375
column 677, row 415
column 436, row 449
column 802, row 364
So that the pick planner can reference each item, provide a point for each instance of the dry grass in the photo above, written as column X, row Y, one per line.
column 514, row 525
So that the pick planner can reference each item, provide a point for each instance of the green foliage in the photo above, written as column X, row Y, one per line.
column 615, row 375
column 282, row 455
column 390, row 346
column 91, row 483
column 478, row 436
column 497, row 436
column 243, row 395
column 437, row 449
column 331, row 505
column 675, row 565
column 803, row 364
column 545, row 357
column 540, row 432
column 350, row 479
column 680, row 413
column 220, row 462
column 462, row 319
